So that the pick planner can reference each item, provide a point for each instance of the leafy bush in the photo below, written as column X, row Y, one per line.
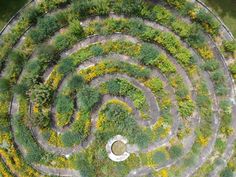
column 186, row 107
column 66, row 66
column 32, row 14
column 17, row 57
column 23, row 135
column 4, row 85
column 218, row 77
column 230, row 46
column 227, row 172
column 129, row 7
column 87, row 98
column 45, row 27
column 162, row 15
column 20, row 89
column 63, row 42
column 208, row 22
column 175, row 151
column 97, row 50
column 220, row 145
column 64, row 109
column 148, row 53
column 232, row 69
column 181, row 28
column 159, row 157
column 41, row 94
column 76, row 29
column 70, row 138
column 210, row 65
column 64, row 104
column 41, row 120
column 76, row 82
column 47, row 54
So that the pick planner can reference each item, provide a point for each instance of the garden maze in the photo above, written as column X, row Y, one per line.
column 100, row 88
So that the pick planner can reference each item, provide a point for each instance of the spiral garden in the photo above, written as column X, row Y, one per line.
column 155, row 79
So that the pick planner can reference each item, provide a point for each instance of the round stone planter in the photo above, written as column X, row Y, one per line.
column 117, row 148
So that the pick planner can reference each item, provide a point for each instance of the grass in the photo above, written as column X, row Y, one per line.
column 226, row 9
column 8, row 8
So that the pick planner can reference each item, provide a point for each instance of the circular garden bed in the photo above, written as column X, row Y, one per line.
column 75, row 74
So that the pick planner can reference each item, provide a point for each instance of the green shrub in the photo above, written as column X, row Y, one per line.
column 62, row 18
column 101, row 7
column 87, row 98
column 23, row 136
column 221, row 89
column 41, row 94
column 175, row 151
column 97, row 50
column 33, row 69
column 41, row 120
column 20, row 89
column 159, row 157
column 148, row 53
column 196, row 37
column 76, row 82
column 47, row 54
column 232, row 69
column 64, row 41
column 210, row 65
column 17, row 57
column 162, row 15
column 218, row 77
column 229, row 46
column 129, row 7
column 64, row 105
column 208, row 22
column 45, row 27
column 32, row 14
column 181, row 28
column 220, row 145
column 70, row 138
column 84, row 165
column 66, row 66
column 76, row 29
column 227, row 172
column 4, row 85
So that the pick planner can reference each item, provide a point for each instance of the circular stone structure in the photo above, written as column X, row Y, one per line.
column 116, row 148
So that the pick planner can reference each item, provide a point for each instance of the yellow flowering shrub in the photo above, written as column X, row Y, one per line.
column 202, row 140
column 206, row 53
